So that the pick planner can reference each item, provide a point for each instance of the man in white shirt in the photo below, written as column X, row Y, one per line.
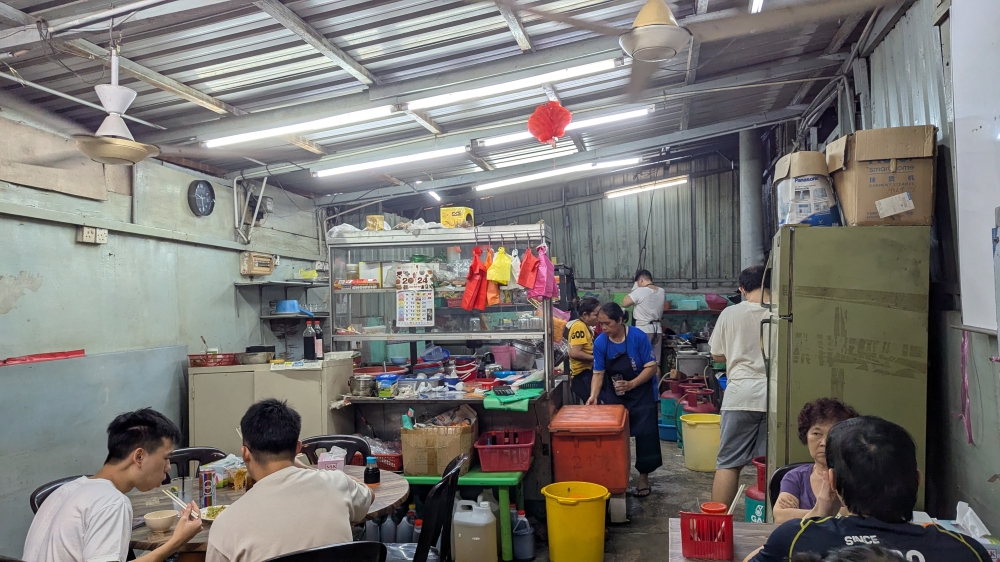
column 90, row 519
column 290, row 507
column 648, row 302
column 736, row 342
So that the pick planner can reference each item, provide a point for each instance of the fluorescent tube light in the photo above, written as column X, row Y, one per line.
column 434, row 195
column 756, row 6
column 681, row 180
column 325, row 123
column 391, row 161
column 513, row 86
column 524, row 135
column 558, row 172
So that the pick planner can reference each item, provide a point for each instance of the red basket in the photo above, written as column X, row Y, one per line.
column 212, row 359
column 706, row 536
column 761, row 464
column 391, row 462
column 506, row 458
column 454, row 303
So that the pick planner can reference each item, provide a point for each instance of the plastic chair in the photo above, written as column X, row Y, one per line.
column 350, row 443
column 774, row 485
column 437, row 520
column 45, row 490
column 182, row 458
column 349, row 551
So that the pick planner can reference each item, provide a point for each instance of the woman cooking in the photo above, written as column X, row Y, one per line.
column 802, row 484
column 623, row 371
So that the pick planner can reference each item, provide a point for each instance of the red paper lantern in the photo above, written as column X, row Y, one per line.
column 549, row 121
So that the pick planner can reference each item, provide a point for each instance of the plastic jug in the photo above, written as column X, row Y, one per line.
column 404, row 530
column 513, row 515
column 524, row 538
column 371, row 531
column 387, row 530
column 487, row 496
column 475, row 533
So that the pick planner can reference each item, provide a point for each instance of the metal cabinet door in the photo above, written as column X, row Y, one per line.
column 216, row 403
column 302, row 390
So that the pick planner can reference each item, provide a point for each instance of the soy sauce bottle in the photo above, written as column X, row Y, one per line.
column 372, row 475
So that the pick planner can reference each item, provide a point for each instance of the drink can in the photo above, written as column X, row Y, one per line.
column 206, row 487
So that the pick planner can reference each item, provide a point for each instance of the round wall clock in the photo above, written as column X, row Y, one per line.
column 201, row 198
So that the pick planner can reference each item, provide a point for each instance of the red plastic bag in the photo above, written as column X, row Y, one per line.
column 529, row 270
column 474, row 297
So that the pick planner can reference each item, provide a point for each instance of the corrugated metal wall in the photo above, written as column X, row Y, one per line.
column 601, row 238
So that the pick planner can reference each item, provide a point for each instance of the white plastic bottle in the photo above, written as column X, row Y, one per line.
column 388, row 530
column 404, row 531
column 487, row 496
column 475, row 533
column 371, row 531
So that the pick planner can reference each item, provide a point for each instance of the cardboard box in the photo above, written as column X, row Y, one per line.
column 885, row 176
column 454, row 216
column 375, row 222
column 804, row 190
column 428, row 450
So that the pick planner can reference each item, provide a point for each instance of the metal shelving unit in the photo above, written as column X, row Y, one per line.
column 342, row 246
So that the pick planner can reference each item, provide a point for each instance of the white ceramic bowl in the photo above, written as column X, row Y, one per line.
column 161, row 521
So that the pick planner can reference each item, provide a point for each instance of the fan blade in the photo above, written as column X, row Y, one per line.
column 198, row 152
column 641, row 73
column 777, row 18
column 598, row 28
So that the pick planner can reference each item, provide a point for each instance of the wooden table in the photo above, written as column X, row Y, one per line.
column 748, row 537
column 389, row 495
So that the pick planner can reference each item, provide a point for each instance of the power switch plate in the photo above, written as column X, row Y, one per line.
column 101, row 235
column 86, row 234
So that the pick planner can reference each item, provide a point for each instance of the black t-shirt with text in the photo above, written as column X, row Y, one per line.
column 915, row 543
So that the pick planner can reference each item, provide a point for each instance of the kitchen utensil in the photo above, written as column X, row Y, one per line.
column 524, row 356
column 400, row 361
column 363, row 385
column 161, row 521
column 204, row 342
column 291, row 307
column 179, row 502
column 254, row 358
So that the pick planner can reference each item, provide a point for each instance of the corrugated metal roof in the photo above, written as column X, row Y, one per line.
column 249, row 60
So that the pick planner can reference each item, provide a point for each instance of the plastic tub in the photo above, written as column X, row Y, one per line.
column 503, row 355
column 575, row 513
column 590, row 444
column 506, row 458
column 701, row 441
column 708, row 537
column 668, row 432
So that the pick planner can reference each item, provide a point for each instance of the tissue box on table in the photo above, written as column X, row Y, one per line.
column 332, row 460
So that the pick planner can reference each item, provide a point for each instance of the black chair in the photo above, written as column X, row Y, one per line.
column 774, row 485
column 350, row 443
column 437, row 520
column 348, row 551
column 182, row 458
column 45, row 490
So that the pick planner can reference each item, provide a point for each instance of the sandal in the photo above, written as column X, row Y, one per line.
column 640, row 492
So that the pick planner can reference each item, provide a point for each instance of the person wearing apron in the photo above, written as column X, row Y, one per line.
column 624, row 362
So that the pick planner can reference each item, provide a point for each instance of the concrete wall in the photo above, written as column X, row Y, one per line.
column 164, row 279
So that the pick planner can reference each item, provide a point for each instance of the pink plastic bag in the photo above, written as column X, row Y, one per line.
column 545, row 280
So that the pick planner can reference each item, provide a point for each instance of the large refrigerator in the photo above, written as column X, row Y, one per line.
column 849, row 315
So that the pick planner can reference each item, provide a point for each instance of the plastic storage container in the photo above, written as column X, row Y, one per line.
column 590, row 444
column 503, row 355
column 524, row 539
column 475, row 533
column 392, row 462
column 701, row 441
column 575, row 513
column 705, row 536
column 506, row 457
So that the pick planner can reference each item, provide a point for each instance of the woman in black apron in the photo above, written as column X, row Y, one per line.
column 624, row 363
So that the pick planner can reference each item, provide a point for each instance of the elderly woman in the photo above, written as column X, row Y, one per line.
column 802, row 484
column 624, row 366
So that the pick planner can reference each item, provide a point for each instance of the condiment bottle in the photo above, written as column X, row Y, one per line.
column 372, row 475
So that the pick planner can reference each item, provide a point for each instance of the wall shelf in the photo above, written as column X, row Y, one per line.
column 443, row 336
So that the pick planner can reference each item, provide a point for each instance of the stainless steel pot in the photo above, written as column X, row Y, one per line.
column 524, row 356
column 363, row 385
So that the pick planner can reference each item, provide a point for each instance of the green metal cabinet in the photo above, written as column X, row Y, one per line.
column 849, row 315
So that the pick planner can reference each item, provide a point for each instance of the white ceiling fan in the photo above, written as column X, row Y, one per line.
column 656, row 36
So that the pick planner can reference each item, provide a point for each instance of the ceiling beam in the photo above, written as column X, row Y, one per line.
column 578, row 141
column 691, row 72
column 300, row 27
column 387, row 178
column 424, row 121
column 462, row 138
column 603, row 153
column 479, row 161
column 845, row 31
column 550, row 93
column 516, row 27
column 14, row 17
column 884, row 23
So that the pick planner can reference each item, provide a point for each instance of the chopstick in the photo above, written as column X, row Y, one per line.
column 181, row 504
column 732, row 507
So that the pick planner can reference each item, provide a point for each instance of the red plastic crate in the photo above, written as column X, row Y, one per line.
column 391, row 462
column 761, row 464
column 706, row 536
column 506, row 458
column 212, row 359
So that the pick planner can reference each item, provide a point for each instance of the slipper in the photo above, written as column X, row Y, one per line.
column 640, row 492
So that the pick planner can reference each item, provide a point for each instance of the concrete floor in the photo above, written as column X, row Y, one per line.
column 675, row 488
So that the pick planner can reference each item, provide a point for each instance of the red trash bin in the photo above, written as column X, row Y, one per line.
column 590, row 444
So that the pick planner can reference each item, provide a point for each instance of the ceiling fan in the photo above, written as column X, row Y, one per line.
column 656, row 36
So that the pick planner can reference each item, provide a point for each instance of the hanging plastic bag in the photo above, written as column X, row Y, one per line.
column 499, row 271
column 474, row 297
column 515, row 270
column 545, row 278
column 529, row 269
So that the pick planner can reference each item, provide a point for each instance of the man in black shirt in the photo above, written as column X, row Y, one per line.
column 873, row 468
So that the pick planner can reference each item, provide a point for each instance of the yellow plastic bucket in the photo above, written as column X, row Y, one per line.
column 575, row 512
column 701, row 441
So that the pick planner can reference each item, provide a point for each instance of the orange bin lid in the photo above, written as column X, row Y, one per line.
column 597, row 419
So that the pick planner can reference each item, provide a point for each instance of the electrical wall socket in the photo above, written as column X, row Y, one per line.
column 322, row 266
column 86, row 234
column 277, row 259
column 101, row 235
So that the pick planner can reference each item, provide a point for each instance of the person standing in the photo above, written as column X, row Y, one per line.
column 581, row 347
column 647, row 300
column 623, row 355
column 736, row 342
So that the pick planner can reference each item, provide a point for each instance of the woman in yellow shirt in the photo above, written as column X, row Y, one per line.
column 581, row 347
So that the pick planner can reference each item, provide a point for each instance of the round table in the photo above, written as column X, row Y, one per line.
column 389, row 495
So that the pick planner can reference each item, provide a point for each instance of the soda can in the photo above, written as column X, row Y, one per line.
column 206, row 487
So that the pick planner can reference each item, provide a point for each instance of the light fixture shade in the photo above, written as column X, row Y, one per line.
column 114, row 126
column 654, row 43
column 115, row 99
column 116, row 152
